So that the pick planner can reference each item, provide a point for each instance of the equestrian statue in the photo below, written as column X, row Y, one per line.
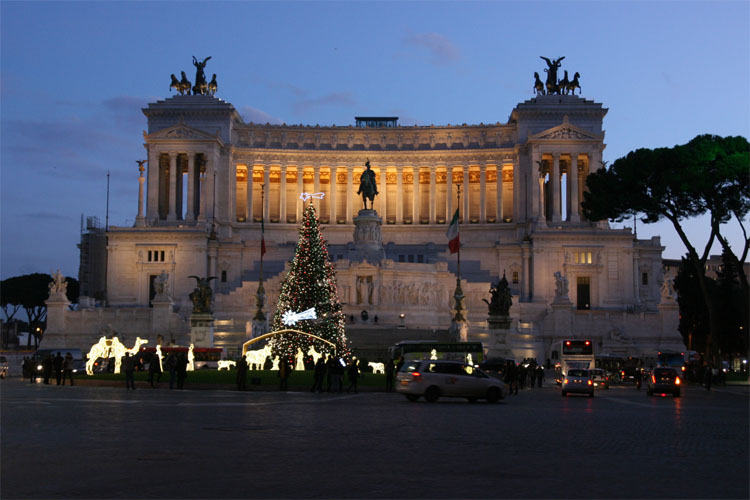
column 368, row 188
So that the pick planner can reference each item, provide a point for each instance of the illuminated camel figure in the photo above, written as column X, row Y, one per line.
column 191, row 359
column 226, row 363
column 377, row 367
column 315, row 354
column 257, row 357
column 118, row 350
column 98, row 350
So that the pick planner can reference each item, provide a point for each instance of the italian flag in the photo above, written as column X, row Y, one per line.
column 452, row 234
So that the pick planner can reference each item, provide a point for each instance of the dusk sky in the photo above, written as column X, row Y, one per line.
column 75, row 76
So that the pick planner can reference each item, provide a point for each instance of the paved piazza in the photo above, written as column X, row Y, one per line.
column 104, row 442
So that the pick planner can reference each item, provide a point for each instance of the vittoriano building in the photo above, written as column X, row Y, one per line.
column 212, row 182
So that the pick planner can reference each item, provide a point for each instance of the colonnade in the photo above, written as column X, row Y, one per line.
column 165, row 185
column 418, row 194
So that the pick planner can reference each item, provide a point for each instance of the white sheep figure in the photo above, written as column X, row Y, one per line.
column 226, row 364
column 377, row 367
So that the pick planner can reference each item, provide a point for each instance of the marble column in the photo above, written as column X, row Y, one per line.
column 249, row 194
column 349, row 193
column 139, row 219
column 466, row 209
column 448, row 194
column 433, row 195
column 202, row 202
column 152, row 195
column 415, row 197
column 300, row 188
column 282, row 195
column 399, row 195
column 267, row 197
column 555, row 180
column 482, row 193
column 541, row 218
column 233, row 215
column 533, row 187
column 172, row 214
column 382, row 194
column 499, row 193
column 332, row 194
column 573, row 216
column 190, row 213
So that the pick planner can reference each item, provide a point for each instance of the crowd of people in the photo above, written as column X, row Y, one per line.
column 61, row 367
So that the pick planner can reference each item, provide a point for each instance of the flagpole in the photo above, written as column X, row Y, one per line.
column 458, row 295
column 259, row 320
column 458, row 222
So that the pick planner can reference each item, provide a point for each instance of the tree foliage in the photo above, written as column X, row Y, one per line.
column 708, row 175
column 311, row 282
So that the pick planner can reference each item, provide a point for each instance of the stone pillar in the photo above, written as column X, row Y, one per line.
column 172, row 214
column 542, row 219
column 139, row 219
column 282, row 195
column 316, row 188
column 300, row 188
column 448, row 194
column 210, row 189
column 433, row 195
column 190, row 213
column 249, row 194
column 573, row 216
column 152, row 203
column 232, row 199
column 267, row 198
column 525, row 284
column 482, row 193
column 466, row 209
column 399, row 195
column 499, row 193
column 517, row 186
column 415, row 197
column 382, row 192
column 332, row 195
column 349, row 193
column 202, row 205
column 533, row 187
column 555, row 180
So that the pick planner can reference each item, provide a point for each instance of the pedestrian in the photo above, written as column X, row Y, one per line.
column 389, row 369
column 638, row 378
column 171, row 364
column 319, row 375
column 283, row 373
column 57, row 366
column 129, row 365
column 68, row 368
column 242, row 374
column 532, row 376
column 47, row 368
column 400, row 363
column 181, row 367
column 339, row 374
column 707, row 375
column 28, row 369
column 353, row 373
column 154, row 371
column 330, row 372
column 539, row 375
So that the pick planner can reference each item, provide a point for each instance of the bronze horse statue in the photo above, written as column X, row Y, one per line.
column 572, row 85
column 213, row 86
column 538, row 85
column 180, row 86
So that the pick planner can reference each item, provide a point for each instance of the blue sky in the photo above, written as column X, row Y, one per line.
column 74, row 76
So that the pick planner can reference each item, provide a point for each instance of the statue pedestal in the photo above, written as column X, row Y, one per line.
column 498, row 347
column 202, row 329
column 368, row 244
column 562, row 316
column 160, row 315
column 498, row 322
column 55, row 335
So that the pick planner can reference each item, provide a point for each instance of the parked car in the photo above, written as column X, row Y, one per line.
column 579, row 381
column 663, row 381
column 600, row 378
column 442, row 378
column 3, row 367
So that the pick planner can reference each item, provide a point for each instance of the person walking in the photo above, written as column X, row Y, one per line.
column 57, row 366
column 181, row 367
column 129, row 365
column 389, row 371
column 539, row 375
column 154, row 371
column 47, row 368
column 283, row 373
column 28, row 369
column 171, row 364
column 68, row 368
column 319, row 375
column 353, row 373
column 242, row 369
column 330, row 372
column 707, row 376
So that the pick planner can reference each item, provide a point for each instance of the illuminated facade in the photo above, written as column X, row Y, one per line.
column 201, row 203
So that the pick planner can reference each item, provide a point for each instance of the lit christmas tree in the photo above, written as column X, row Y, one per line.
column 310, row 283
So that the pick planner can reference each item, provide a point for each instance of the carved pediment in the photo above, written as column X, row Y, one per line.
column 180, row 131
column 566, row 131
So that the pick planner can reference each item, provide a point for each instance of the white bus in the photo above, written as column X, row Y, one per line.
column 574, row 354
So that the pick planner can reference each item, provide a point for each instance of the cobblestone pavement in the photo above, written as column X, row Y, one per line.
column 105, row 442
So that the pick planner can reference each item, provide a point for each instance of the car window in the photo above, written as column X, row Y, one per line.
column 578, row 373
column 410, row 366
column 664, row 372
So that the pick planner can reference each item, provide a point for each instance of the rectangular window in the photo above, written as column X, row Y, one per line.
column 420, row 258
column 515, row 277
column 644, row 279
column 411, row 258
column 401, row 258
column 223, row 276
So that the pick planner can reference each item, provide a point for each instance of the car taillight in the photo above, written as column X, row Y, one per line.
column 590, row 382
column 653, row 379
column 567, row 381
column 683, row 368
column 416, row 376
column 677, row 381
